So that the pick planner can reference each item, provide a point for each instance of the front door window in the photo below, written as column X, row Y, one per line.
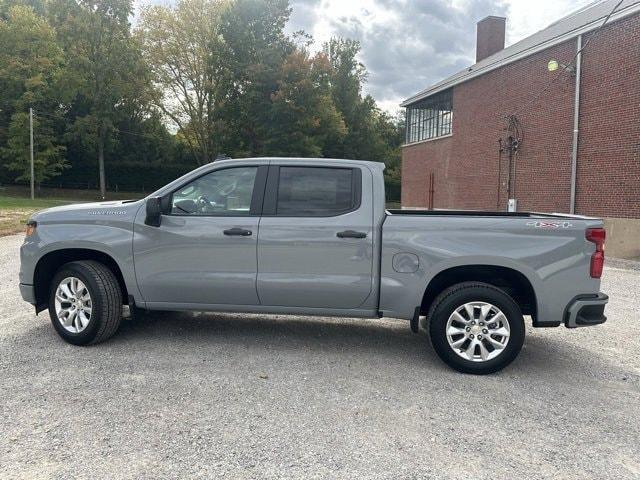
column 225, row 192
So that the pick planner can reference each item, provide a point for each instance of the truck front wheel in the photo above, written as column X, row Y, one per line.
column 476, row 328
column 85, row 302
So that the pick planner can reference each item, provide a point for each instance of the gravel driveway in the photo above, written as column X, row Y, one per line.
column 251, row 396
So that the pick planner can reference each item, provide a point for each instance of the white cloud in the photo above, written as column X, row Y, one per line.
column 525, row 18
column 409, row 44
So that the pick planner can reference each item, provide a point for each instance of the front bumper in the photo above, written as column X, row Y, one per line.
column 28, row 293
column 586, row 310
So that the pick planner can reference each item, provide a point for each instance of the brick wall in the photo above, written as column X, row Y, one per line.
column 609, row 148
column 466, row 165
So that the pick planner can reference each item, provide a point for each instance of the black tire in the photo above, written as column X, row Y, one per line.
column 106, row 298
column 458, row 295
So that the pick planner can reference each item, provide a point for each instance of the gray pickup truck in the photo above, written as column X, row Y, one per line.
column 312, row 237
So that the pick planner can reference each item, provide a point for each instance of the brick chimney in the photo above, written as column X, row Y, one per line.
column 490, row 37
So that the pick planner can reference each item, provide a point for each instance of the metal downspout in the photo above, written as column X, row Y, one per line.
column 576, row 123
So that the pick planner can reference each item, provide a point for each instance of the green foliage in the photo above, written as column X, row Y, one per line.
column 195, row 79
column 38, row 6
column 31, row 69
column 303, row 117
column 104, row 67
column 251, row 62
column 182, row 46
column 48, row 157
column 371, row 133
column 127, row 176
column 95, row 35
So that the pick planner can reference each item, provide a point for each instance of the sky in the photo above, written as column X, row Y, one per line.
column 408, row 45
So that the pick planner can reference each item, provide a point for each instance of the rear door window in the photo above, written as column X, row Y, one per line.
column 316, row 191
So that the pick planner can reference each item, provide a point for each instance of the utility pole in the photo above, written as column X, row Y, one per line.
column 31, row 149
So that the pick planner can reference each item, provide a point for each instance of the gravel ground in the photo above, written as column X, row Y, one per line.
column 240, row 396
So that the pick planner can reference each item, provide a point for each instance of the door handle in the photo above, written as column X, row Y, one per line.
column 238, row 232
column 351, row 234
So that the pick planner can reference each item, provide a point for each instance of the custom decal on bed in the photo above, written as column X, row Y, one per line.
column 546, row 224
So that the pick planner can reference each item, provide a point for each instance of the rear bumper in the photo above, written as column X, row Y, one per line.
column 28, row 293
column 586, row 310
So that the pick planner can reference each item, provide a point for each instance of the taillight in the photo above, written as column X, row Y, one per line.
column 597, row 236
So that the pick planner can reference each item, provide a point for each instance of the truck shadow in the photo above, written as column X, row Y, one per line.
column 369, row 343
column 390, row 337
column 386, row 339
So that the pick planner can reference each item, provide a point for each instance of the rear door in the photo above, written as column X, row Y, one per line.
column 315, row 247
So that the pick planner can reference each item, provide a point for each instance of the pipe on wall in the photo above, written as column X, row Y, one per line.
column 576, row 124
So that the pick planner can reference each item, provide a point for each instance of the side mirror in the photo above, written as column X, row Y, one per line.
column 154, row 212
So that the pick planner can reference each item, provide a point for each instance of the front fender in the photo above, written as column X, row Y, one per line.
column 114, row 240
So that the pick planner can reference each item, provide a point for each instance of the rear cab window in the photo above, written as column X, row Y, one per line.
column 317, row 191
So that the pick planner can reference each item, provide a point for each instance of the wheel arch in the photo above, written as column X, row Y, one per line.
column 50, row 263
column 513, row 282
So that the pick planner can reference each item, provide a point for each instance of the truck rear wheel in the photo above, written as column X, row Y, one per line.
column 476, row 328
column 85, row 302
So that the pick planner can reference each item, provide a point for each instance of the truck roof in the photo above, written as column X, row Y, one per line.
column 305, row 159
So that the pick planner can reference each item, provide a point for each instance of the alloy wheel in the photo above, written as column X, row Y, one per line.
column 73, row 304
column 478, row 331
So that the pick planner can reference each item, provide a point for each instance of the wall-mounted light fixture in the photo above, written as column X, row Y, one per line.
column 553, row 65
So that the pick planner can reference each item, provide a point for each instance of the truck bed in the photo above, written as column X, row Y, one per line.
column 550, row 250
column 483, row 213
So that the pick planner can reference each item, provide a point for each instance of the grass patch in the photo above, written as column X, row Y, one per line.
column 15, row 211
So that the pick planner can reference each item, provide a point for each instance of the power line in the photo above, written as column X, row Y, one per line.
column 126, row 132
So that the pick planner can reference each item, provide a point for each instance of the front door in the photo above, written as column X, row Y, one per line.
column 204, row 251
column 316, row 237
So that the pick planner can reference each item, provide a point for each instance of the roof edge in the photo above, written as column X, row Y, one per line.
column 473, row 73
column 492, row 16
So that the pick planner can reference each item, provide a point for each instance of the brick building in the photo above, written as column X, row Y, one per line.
column 504, row 128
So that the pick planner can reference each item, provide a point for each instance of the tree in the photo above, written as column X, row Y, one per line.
column 31, row 70
column 391, row 131
column 48, row 160
column 303, row 116
column 181, row 44
column 255, row 49
column 347, row 77
column 195, row 79
column 371, row 133
column 103, row 65
column 38, row 6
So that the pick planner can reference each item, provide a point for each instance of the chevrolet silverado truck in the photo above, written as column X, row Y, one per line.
column 313, row 237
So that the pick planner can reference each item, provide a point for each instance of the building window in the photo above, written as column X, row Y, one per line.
column 430, row 118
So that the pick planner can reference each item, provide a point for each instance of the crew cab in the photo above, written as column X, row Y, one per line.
column 313, row 237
